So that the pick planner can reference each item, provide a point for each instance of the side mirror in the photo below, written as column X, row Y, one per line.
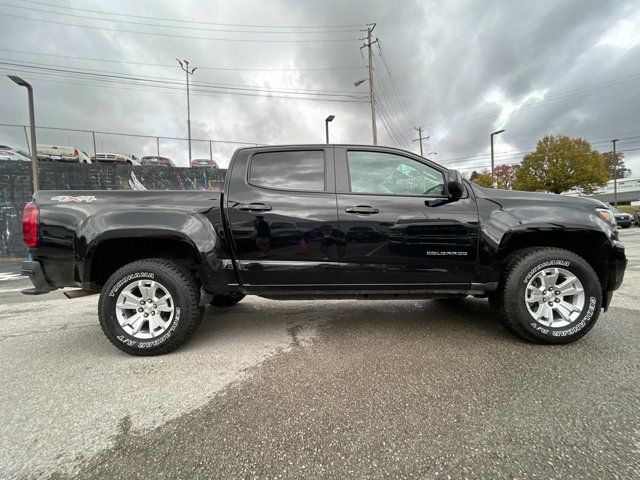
column 455, row 185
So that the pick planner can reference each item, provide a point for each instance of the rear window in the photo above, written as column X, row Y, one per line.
column 300, row 170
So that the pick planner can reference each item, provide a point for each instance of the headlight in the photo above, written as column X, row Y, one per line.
column 606, row 215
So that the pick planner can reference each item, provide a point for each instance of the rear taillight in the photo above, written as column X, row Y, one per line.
column 30, row 225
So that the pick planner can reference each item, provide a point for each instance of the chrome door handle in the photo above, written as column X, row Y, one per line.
column 254, row 207
column 362, row 210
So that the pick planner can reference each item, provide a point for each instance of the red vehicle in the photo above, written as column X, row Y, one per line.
column 155, row 160
column 203, row 162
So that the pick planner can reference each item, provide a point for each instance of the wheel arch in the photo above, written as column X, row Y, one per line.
column 112, row 250
column 588, row 244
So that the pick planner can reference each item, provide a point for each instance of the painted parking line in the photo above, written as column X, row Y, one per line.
column 6, row 277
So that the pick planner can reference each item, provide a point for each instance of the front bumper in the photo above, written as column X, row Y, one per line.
column 33, row 270
column 617, row 265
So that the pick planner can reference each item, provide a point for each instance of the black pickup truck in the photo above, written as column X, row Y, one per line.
column 318, row 222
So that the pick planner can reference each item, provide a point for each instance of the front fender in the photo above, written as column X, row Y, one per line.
column 509, row 228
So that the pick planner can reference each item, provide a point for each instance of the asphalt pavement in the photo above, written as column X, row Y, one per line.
column 322, row 389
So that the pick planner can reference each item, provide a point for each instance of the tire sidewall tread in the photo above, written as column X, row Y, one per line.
column 184, row 289
column 519, row 269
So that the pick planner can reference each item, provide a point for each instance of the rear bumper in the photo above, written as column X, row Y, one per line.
column 33, row 270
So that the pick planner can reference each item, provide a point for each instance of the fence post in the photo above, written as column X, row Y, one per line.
column 210, row 151
column 27, row 138
column 95, row 150
column 158, row 146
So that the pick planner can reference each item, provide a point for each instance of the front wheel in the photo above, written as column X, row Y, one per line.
column 549, row 295
column 150, row 307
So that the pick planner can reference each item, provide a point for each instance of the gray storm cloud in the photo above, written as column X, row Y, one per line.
column 462, row 69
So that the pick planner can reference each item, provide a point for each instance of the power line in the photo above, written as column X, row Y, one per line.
column 128, row 22
column 173, row 35
column 551, row 99
column 187, row 21
column 395, row 87
column 392, row 135
column 142, row 80
column 525, row 152
column 165, row 65
column 389, row 100
column 382, row 99
column 210, row 92
column 92, row 72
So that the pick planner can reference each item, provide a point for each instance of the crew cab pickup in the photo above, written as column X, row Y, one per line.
column 324, row 222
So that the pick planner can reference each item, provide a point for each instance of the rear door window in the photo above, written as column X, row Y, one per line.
column 302, row 170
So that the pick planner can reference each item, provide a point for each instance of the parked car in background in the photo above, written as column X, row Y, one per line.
column 204, row 162
column 623, row 219
column 116, row 158
column 60, row 153
column 10, row 153
column 155, row 160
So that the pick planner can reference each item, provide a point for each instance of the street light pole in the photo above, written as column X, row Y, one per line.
column 615, row 174
column 493, row 176
column 32, row 126
column 185, row 68
column 326, row 125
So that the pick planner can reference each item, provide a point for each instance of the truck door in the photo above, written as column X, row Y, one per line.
column 281, row 208
column 397, row 225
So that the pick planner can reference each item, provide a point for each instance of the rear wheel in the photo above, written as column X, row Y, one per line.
column 150, row 307
column 225, row 300
column 549, row 295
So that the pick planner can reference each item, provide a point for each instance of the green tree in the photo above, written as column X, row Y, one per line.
column 560, row 163
column 483, row 179
column 615, row 162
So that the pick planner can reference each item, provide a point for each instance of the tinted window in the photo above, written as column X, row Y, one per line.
column 389, row 174
column 288, row 170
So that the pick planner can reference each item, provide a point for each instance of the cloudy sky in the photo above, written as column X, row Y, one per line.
column 270, row 72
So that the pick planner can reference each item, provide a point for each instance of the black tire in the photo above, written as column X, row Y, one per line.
column 494, row 299
column 225, row 300
column 519, row 269
column 182, row 286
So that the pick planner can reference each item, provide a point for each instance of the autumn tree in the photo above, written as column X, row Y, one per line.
column 560, row 163
column 616, row 162
column 505, row 176
column 483, row 179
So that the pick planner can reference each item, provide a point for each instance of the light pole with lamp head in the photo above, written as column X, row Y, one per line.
column 32, row 126
column 326, row 125
column 493, row 177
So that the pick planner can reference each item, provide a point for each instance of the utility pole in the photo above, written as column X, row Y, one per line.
column 420, row 139
column 372, row 97
column 615, row 174
column 185, row 68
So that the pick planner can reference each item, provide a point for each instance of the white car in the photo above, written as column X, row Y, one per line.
column 117, row 158
column 10, row 153
column 59, row 153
